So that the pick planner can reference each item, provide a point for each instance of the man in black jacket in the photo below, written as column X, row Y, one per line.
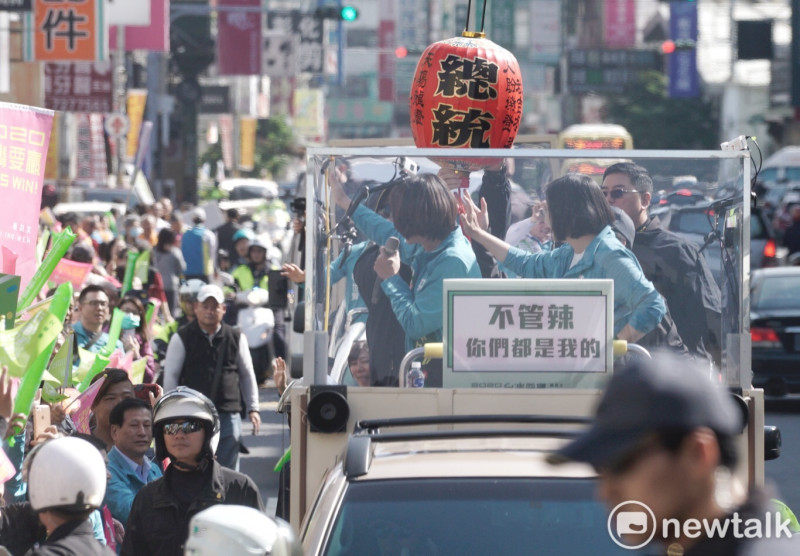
column 676, row 267
column 214, row 358
column 186, row 429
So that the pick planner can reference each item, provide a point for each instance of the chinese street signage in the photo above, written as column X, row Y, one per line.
column 16, row 5
column 91, row 149
column 608, row 71
column 66, row 30
column 528, row 334
column 24, row 138
column 78, row 86
column 308, row 30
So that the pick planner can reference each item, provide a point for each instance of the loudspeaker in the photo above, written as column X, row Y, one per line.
column 328, row 410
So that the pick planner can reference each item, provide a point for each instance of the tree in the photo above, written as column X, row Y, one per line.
column 275, row 146
column 657, row 121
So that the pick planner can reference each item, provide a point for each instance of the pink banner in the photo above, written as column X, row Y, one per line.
column 71, row 271
column 9, row 261
column 239, row 39
column 24, row 138
column 82, row 415
column 153, row 37
column 620, row 27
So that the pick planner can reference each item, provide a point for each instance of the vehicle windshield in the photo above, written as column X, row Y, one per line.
column 777, row 292
column 471, row 516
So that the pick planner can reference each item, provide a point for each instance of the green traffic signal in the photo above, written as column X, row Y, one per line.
column 348, row 13
column 343, row 13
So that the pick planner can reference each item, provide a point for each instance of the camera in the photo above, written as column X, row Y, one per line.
column 298, row 204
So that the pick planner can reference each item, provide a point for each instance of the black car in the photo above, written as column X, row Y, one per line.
column 695, row 224
column 775, row 329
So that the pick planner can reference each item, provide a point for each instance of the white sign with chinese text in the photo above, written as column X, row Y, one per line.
column 527, row 334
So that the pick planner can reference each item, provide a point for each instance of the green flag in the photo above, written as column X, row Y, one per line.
column 20, row 346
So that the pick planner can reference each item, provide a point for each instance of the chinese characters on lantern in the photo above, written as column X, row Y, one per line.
column 460, row 98
column 527, row 333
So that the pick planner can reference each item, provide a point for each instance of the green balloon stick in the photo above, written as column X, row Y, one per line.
column 113, row 332
column 61, row 242
column 30, row 381
column 127, row 282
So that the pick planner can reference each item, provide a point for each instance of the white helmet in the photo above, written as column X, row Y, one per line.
column 66, row 474
column 186, row 403
column 191, row 287
column 239, row 531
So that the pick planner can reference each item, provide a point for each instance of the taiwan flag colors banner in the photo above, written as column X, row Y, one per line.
column 24, row 139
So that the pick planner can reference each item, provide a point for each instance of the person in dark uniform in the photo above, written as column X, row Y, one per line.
column 186, row 429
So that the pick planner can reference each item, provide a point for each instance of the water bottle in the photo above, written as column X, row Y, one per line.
column 416, row 378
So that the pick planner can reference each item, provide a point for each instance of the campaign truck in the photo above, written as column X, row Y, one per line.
column 463, row 468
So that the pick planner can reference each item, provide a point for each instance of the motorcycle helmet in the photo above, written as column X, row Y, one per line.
column 243, row 233
column 191, row 287
column 66, row 474
column 186, row 403
column 260, row 243
column 239, row 531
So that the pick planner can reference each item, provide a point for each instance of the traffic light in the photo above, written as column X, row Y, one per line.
column 342, row 13
column 670, row 46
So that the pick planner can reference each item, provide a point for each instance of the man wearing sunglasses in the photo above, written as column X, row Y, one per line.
column 676, row 267
column 665, row 445
column 186, row 429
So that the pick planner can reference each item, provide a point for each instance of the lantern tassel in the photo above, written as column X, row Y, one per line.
column 483, row 17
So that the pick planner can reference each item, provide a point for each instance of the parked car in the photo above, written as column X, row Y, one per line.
column 695, row 223
column 239, row 189
column 781, row 167
column 775, row 329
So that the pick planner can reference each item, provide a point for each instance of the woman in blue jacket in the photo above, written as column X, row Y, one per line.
column 581, row 218
column 424, row 220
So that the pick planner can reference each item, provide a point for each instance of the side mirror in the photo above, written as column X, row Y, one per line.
column 772, row 442
column 299, row 324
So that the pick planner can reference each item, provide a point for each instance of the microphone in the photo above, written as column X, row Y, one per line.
column 391, row 246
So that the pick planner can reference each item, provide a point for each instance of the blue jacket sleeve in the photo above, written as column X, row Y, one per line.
column 420, row 312
column 645, row 303
column 535, row 265
column 378, row 229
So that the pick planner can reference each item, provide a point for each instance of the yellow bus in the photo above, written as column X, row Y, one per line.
column 593, row 137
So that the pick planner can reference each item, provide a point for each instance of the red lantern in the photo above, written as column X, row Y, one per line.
column 466, row 93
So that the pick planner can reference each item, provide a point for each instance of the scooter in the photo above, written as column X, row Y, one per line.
column 256, row 320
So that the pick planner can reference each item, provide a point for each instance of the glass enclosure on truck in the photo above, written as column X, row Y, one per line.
column 333, row 322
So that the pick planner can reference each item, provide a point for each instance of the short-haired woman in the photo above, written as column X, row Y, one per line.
column 581, row 220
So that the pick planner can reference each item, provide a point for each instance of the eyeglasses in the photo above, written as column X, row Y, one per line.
column 618, row 193
column 97, row 303
column 186, row 427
